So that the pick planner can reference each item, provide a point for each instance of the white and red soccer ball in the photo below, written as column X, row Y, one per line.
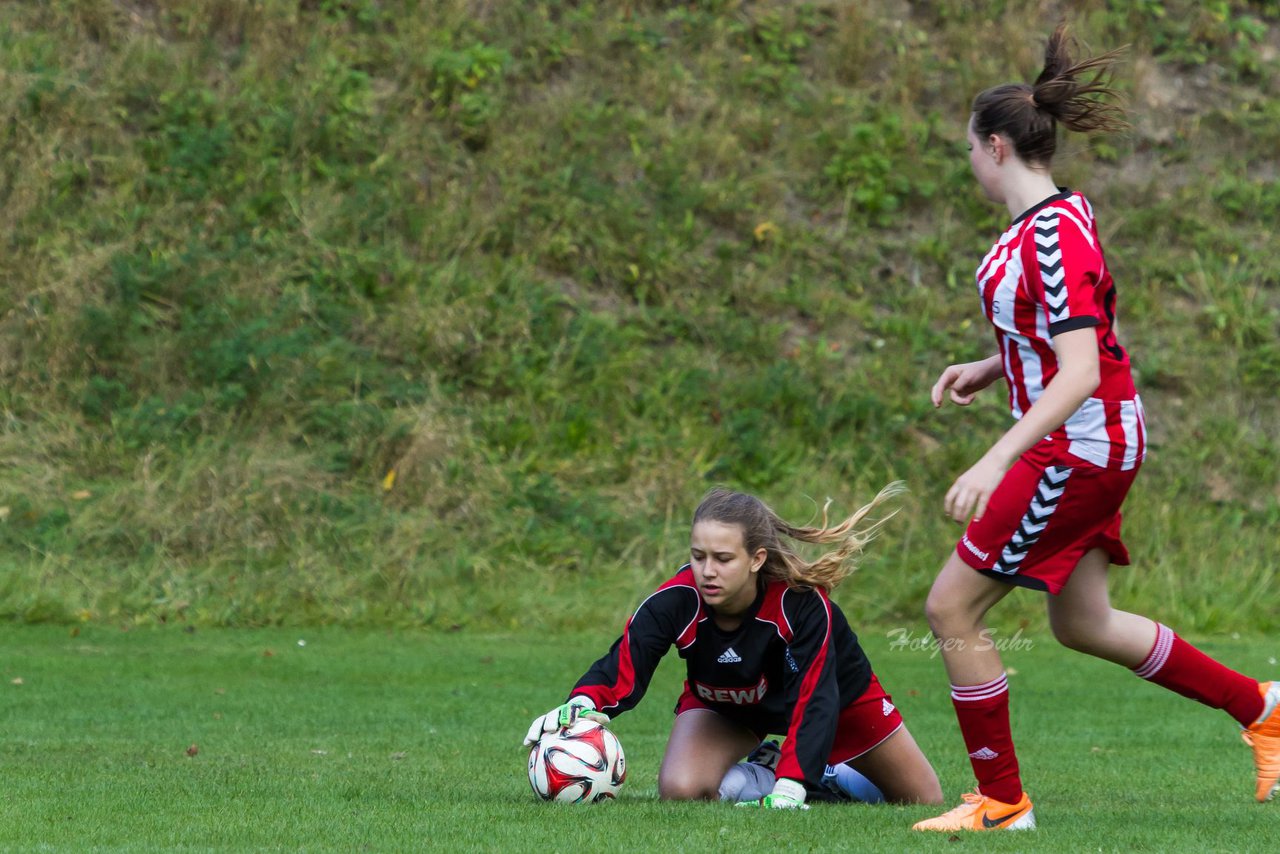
column 580, row 764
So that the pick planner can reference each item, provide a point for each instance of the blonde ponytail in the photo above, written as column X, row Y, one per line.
column 763, row 528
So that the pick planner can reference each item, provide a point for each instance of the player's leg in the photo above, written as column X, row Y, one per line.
column 1042, row 518
column 899, row 769
column 703, row 746
column 1082, row 618
column 874, row 758
column 754, row 777
column 956, row 607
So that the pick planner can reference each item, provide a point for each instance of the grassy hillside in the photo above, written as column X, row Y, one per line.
column 448, row 313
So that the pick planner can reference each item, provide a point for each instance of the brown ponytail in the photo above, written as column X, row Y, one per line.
column 1077, row 94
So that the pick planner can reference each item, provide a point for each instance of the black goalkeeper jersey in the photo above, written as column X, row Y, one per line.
column 790, row 667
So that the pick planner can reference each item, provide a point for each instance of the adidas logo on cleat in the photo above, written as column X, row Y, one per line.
column 984, row 753
column 729, row 657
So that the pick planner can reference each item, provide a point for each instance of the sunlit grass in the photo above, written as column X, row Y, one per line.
column 330, row 739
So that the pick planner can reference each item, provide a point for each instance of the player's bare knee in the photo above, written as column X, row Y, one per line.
column 945, row 618
column 1073, row 634
column 925, row 787
column 682, row 787
column 935, row 611
column 931, row 793
column 914, row 789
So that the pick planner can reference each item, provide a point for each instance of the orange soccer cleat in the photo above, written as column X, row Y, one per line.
column 1263, row 735
column 978, row 812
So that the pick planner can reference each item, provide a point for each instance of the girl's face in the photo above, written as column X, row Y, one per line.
column 723, row 571
column 985, row 163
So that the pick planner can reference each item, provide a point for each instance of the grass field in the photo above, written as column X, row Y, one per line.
column 363, row 740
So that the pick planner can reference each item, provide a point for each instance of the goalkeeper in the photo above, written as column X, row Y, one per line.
column 767, row 652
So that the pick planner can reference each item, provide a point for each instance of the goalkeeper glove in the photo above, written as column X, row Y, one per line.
column 564, row 716
column 786, row 795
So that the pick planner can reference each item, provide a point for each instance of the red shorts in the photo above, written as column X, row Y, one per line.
column 1043, row 517
column 862, row 725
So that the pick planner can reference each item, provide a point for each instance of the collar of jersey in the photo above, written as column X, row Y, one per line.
column 1063, row 193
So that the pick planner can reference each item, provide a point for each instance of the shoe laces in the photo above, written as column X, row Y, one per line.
column 971, row 801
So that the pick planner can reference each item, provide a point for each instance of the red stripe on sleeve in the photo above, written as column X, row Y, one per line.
column 771, row 612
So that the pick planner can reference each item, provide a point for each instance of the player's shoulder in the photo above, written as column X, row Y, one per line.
column 671, row 609
column 678, row 590
column 797, row 601
column 1070, row 209
column 800, row 592
column 1060, row 223
column 683, row 577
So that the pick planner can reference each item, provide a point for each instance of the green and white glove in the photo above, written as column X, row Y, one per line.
column 786, row 795
column 564, row 716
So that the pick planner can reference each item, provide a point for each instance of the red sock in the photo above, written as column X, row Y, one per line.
column 983, row 712
column 1180, row 667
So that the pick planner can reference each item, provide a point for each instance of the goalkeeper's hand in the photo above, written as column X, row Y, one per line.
column 786, row 795
column 563, row 716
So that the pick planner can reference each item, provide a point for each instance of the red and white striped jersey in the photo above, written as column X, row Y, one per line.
column 1047, row 275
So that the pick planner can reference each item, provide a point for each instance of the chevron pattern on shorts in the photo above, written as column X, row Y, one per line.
column 1049, row 254
column 1048, row 492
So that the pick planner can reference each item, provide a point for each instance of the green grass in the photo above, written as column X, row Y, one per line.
column 389, row 740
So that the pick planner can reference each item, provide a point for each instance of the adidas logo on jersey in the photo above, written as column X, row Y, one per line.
column 984, row 753
column 729, row 657
column 886, row 707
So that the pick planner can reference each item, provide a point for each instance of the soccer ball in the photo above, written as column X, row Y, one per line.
column 580, row 764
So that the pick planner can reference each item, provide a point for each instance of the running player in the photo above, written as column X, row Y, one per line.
column 766, row 651
column 1045, row 499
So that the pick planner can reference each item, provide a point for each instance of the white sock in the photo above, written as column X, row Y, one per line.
column 845, row 779
column 746, row 781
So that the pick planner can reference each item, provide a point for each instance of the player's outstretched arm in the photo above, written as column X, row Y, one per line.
column 563, row 716
column 965, row 380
